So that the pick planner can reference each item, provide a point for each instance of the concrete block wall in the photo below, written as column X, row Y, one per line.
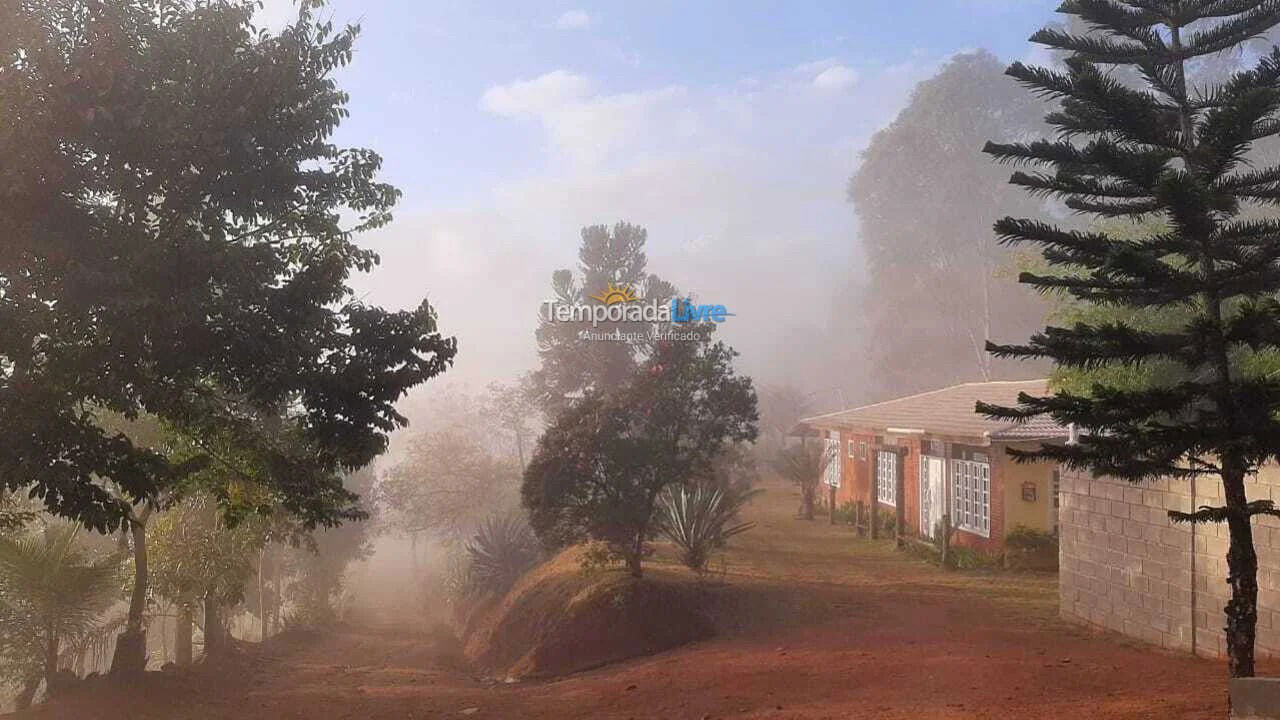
column 1126, row 567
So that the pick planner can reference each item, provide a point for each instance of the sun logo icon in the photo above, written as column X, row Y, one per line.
column 616, row 294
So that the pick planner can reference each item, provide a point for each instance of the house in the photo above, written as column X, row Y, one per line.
column 950, row 460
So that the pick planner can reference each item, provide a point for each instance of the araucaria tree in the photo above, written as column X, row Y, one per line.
column 601, row 466
column 1171, row 148
column 177, row 233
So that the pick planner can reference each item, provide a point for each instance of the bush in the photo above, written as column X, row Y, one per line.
column 1022, row 537
column 847, row 513
column 887, row 520
column 963, row 558
column 1028, row 549
column 700, row 521
column 500, row 552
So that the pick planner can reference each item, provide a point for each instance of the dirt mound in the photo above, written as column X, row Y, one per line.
column 558, row 620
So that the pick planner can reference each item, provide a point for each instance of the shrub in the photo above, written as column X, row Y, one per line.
column 503, row 549
column 1028, row 549
column 847, row 513
column 963, row 558
column 700, row 521
column 1022, row 537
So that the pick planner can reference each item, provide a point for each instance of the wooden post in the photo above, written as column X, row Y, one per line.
column 900, row 499
column 872, row 508
column 832, row 513
column 946, row 540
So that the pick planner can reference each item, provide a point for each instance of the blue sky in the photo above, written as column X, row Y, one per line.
column 728, row 129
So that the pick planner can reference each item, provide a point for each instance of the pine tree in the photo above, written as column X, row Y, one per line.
column 1175, row 150
column 572, row 365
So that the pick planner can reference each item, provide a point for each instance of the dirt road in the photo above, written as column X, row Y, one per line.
column 815, row 625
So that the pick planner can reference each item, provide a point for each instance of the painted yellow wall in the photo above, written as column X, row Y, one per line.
column 1017, row 511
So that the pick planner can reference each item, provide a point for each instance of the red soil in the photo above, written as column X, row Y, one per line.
column 813, row 624
column 559, row 620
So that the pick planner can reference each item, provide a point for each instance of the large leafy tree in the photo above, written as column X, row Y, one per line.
column 1170, row 150
column 571, row 365
column 600, row 468
column 176, row 238
column 936, row 289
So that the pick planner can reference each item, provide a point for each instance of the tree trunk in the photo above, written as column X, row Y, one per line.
column 27, row 695
column 262, row 595
column 832, row 510
column 212, row 626
column 633, row 562
column 182, row 631
column 50, row 660
column 1242, row 576
column 130, row 657
column 277, row 600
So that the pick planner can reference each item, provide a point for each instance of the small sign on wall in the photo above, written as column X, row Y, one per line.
column 1029, row 491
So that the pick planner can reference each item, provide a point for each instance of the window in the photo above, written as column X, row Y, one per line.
column 887, row 477
column 852, row 447
column 831, row 468
column 971, row 496
column 862, row 450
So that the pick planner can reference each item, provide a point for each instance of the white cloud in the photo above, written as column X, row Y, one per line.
column 538, row 96
column 574, row 20
column 835, row 78
column 740, row 186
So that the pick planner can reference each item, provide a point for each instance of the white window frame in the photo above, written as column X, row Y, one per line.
column 831, row 472
column 887, row 477
column 862, row 449
column 853, row 450
column 971, row 497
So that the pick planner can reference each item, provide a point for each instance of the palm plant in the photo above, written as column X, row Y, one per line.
column 503, row 549
column 701, row 520
column 52, row 596
column 804, row 466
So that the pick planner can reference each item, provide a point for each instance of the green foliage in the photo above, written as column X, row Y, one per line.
column 700, row 520
column 965, row 558
column 52, row 597
column 448, row 483
column 177, row 235
column 846, row 513
column 194, row 555
column 803, row 465
column 321, row 560
column 504, row 549
column 924, row 200
column 1022, row 537
column 601, row 466
column 888, row 521
column 1145, row 140
column 571, row 365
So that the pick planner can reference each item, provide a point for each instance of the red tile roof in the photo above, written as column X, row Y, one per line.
column 950, row 412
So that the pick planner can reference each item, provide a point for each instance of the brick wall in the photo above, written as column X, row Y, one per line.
column 1124, row 566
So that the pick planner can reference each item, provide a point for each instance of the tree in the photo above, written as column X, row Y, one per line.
column 804, row 466
column 601, row 466
column 172, row 244
column 571, row 364
column 174, row 241
column 1172, row 151
column 781, row 407
column 449, row 482
column 321, row 561
column 52, row 594
column 924, row 201
column 200, row 562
